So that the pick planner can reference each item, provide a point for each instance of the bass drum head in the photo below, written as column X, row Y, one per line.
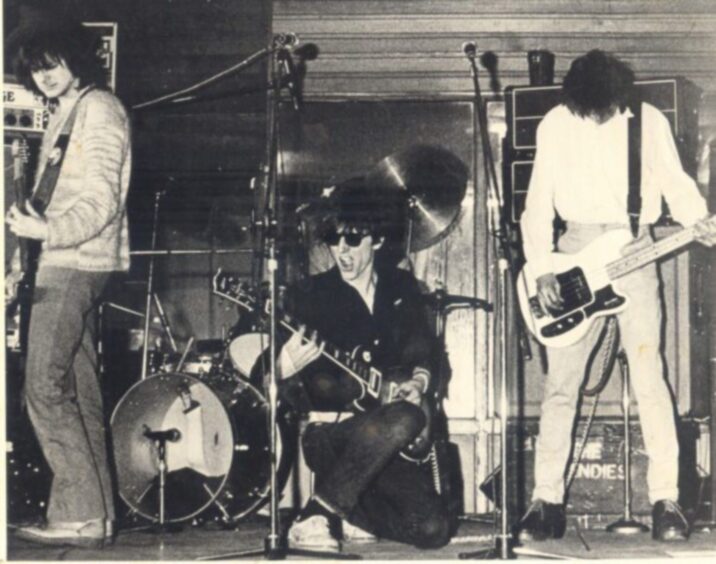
column 220, row 465
column 248, row 487
column 198, row 463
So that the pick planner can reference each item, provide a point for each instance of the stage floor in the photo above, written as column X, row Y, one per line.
column 198, row 543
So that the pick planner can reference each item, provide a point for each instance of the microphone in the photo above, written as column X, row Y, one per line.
column 489, row 60
column 470, row 49
column 291, row 78
column 170, row 435
column 285, row 39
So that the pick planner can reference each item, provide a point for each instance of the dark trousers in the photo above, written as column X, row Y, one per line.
column 361, row 475
column 63, row 394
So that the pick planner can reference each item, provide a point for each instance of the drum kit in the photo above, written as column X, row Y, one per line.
column 190, row 439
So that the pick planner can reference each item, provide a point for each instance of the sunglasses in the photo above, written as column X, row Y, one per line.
column 353, row 238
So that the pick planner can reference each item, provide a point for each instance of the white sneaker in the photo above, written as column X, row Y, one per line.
column 351, row 533
column 85, row 534
column 313, row 533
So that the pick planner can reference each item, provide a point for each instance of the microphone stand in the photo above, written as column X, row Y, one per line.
column 150, row 287
column 266, row 228
column 504, row 542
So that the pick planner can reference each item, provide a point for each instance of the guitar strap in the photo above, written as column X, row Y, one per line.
column 46, row 186
column 634, row 137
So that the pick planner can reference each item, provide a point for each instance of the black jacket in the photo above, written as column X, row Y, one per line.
column 397, row 333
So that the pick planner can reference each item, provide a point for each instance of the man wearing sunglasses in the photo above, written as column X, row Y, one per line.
column 363, row 301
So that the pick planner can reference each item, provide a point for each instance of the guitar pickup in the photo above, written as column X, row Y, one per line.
column 535, row 308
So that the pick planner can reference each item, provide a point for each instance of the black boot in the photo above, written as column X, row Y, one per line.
column 669, row 522
column 542, row 521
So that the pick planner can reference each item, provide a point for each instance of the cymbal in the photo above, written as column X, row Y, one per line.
column 434, row 180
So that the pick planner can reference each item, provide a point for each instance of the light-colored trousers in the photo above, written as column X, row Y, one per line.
column 640, row 330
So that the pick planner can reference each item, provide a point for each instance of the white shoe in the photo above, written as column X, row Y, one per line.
column 351, row 533
column 85, row 534
column 313, row 533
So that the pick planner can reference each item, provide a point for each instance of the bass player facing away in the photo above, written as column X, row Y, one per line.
column 581, row 173
column 363, row 301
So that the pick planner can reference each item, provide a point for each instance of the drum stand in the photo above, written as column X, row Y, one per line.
column 150, row 286
column 626, row 525
column 162, row 526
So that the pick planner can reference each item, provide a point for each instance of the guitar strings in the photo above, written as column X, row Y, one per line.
column 569, row 290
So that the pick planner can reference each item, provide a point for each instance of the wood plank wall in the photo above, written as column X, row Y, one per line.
column 414, row 46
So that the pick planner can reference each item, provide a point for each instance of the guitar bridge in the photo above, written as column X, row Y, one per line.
column 375, row 380
column 563, row 325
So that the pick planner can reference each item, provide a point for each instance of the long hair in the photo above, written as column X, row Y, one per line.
column 69, row 43
column 596, row 82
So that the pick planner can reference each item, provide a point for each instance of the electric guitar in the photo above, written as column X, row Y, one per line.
column 17, row 309
column 585, row 280
column 377, row 387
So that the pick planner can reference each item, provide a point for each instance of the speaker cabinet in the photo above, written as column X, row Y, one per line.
column 597, row 488
column 677, row 98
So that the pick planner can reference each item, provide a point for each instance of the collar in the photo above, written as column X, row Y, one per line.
column 618, row 118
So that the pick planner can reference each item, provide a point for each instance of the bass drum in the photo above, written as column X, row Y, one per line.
column 219, row 464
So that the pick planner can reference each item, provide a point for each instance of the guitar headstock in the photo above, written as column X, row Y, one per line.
column 233, row 289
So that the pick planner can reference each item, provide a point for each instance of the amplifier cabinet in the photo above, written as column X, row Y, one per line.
column 525, row 107
column 598, row 486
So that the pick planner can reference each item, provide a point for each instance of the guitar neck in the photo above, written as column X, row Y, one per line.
column 369, row 377
column 344, row 360
column 20, row 190
column 653, row 252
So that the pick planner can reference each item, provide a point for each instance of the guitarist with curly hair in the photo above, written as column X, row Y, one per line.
column 582, row 172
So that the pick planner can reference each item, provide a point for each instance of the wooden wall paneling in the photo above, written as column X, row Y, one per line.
column 416, row 45
column 490, row 7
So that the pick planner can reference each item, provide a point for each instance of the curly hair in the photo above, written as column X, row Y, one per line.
column 596, row 82
column 70, row 44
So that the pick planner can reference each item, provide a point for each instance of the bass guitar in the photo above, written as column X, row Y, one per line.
column 585, row 281
column 377, row 387
column 17, row 309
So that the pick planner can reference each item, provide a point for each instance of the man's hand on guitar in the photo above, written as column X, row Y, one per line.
column 706, row 232
column 297, row 353
column 548, row 292
column 12, row 279
column 30, row 225
column 410, row 391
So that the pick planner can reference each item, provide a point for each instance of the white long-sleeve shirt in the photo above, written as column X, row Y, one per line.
column 581, row 171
